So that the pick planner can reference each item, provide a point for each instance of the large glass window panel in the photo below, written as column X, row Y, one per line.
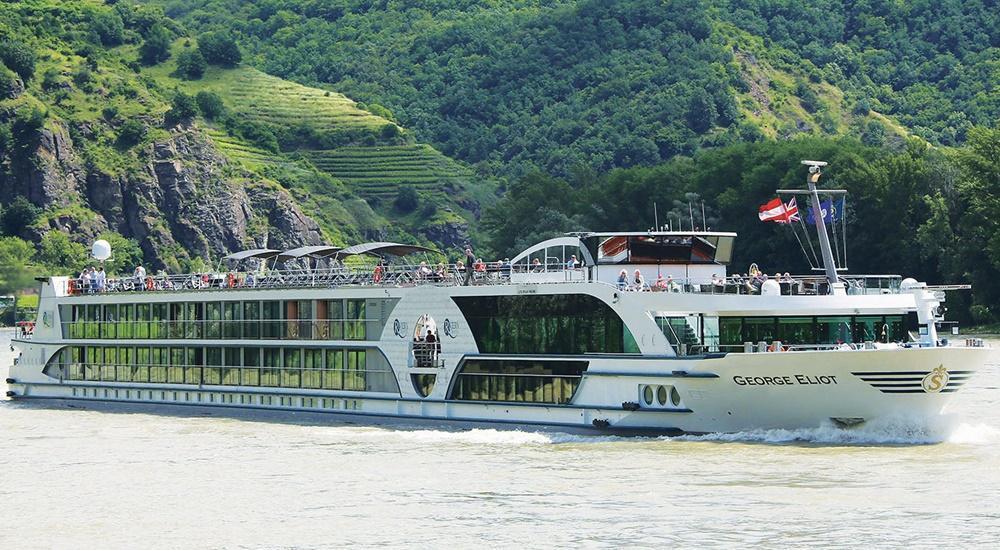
column 95, row 356
column 213, row 366
column 355, row 325
column 333, row 373
column 731, row 333
column 195, row 326
column 354, row 376
column 109, row 364
column 305, row 311
column 796, row 330
column 321, row 327
column 869, row 328
column 77, row 327
column 231, row 320
column 78, row 356
column 159, row 324
column 250, row 376
column 292, row 319
column 110, row 321
column 126, row 318
column 159, row 359
column 251, row 320
column 335, row 312
column 124, row 367
column 896, row 331
column 271, row 314
column 291, row 375
column 177, row 317
column 834, row 330
column 140, row 371
column 759, row 329
column 271, row 372
column 175, row 372
column 194, row 360
column 213, row 320
column 94, row 321
column 312, row 365
column 142, row 316
column 231, row 372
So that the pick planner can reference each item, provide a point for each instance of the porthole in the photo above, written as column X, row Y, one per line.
column 647, row 395
column 661, row 395
column 675, row 397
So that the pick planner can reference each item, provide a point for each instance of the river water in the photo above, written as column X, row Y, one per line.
column 73, row 478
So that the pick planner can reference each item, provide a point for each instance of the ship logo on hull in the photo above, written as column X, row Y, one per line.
column 936, row 380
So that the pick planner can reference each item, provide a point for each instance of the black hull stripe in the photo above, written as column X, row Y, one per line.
column 910, row 373
column 913, row 385
column 946, row 390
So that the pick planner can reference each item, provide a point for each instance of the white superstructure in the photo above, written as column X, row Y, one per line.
column 545, row 343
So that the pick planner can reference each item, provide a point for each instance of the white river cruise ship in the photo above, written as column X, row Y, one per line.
column 541, row 342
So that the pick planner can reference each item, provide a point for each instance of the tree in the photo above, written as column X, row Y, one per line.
column 701, row 115
column 125, row 254
column 15, row 255
column 156, row 48
column 219, row 49
column 407, row 199
column 182, row 108
column 109, row 27
column 61, row 255
column 131, row 133
column 190, row 64
column 210, row 105
column 18, row 57
column 18, row 215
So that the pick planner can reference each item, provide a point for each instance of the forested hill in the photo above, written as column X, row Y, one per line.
column 560, row 85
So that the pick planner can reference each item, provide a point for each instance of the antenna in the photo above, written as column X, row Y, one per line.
column 656, row 218
column 704, row 222
column 691, row 213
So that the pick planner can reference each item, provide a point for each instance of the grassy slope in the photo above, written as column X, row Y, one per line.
column 373, row 172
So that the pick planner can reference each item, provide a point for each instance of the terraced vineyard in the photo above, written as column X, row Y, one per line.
column 380, row 171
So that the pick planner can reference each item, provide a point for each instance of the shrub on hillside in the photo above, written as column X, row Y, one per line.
column 109, row 27
column 191, row 64
column 407, row 200
column 210, row 105
column 219, row 49
column 18, row 215
column 156, row 47
column 131, row 133
column 19, row 57
column 182, row 108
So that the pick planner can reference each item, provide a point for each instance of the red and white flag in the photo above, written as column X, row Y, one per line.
column 779, row 212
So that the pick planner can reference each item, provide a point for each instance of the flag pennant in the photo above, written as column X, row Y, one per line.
column 832, row 211
column 779, row 212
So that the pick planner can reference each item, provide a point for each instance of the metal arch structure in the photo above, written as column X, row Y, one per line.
column 312, row 251
column 257, row 253
column 380, row 248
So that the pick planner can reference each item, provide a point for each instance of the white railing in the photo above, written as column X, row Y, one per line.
column 453, row 275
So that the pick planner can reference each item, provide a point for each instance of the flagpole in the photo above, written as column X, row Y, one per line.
column 820, row 221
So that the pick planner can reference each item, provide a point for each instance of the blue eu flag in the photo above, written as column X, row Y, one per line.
column 832, row 211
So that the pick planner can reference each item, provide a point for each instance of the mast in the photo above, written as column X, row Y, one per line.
column 820, row 220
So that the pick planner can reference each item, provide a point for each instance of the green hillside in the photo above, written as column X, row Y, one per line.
column 560, row 85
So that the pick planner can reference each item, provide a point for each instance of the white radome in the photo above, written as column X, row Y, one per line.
column 101, row 250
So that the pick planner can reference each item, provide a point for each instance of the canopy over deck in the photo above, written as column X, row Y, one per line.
column 259, row 253
column 383, row 248
column 313, row 251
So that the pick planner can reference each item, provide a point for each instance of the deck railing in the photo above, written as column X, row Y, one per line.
column 452, row 275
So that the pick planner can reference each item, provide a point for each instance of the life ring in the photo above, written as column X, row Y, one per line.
column 378, row 274
column 149, row 283
column 231, row 280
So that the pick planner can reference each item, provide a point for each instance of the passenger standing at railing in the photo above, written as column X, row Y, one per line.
column 572, row 263
column 431, row 344
column 536, row 266
column 100, row 279
column 638, row 282
column 622, row 280
column 470, row 259
column 661, row 284
column 505, row 269
column 140, row 277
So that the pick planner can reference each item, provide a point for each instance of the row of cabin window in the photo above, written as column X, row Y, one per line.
column 556, row 390
column 338, row 369
column 274, row 319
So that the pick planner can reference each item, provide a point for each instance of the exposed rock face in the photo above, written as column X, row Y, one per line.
column 12, row 89
column 186, row 202
column 449, row 235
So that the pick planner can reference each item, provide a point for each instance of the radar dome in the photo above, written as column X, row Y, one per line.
column 101, row 250
column 908, row 283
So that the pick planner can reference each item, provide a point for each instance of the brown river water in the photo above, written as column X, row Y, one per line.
column 74, row 478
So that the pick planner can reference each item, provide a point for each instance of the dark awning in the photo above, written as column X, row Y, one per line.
column 382, row 248
column 314, row 251
column 260, row 253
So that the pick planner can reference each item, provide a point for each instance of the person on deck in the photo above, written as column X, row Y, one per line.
column 572, row 263
column 469, row 260
column 100, row 279
column 638, row 282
